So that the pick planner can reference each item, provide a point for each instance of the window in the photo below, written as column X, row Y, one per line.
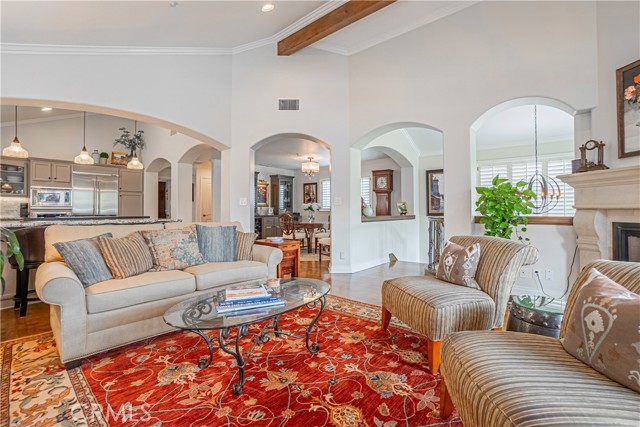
column 365, row 189
column 522, row 169
column 325, row 186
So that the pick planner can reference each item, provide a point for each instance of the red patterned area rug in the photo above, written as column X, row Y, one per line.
column 362, row 376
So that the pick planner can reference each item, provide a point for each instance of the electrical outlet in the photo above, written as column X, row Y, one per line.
column 536, row 273
column 548, row 274
column 525, row 272
column 343, row 255
column 243, row 201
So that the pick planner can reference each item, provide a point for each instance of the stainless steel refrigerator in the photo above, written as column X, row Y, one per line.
column 95, row 194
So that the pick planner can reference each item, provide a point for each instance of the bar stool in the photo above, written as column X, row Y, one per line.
column 31, row 240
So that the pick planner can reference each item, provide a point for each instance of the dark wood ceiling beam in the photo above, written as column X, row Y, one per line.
column 333, row 21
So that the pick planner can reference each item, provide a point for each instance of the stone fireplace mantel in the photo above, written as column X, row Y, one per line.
column 602, row 198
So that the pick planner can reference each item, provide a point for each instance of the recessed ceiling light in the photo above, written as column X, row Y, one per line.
column 173, row 3
column 47, row 108
column 268, row 7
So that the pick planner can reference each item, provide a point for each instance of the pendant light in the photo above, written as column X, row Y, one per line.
column 135, row 163
column 84, row 158
column 15, row 149
column 310, row 168
column 546, row 189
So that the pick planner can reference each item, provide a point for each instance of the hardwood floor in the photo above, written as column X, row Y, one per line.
column 361, row 286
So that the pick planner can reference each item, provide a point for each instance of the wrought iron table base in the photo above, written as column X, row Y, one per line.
column 242, row 330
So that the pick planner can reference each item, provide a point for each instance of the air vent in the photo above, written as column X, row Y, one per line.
column 288, row 104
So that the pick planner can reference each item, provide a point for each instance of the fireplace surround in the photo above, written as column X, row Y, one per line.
column 603, row 198
column 626, row 241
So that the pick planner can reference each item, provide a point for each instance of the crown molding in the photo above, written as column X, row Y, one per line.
column 49, row 49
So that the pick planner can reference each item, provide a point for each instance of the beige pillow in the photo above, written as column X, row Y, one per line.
column 244, row 246
column 603, row 330
column 458, row 265
column 125, row 256
column 174, row 249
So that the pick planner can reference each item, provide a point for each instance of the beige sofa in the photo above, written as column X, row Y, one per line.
column 117, row 312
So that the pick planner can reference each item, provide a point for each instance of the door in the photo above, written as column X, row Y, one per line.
column 40, row 171
column 61, row 173
column 205, row 199
column 107, row 195
column 131, row 204
column 162, row 200
column 84, row 195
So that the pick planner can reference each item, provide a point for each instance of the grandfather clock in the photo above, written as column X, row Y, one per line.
column 382, row 187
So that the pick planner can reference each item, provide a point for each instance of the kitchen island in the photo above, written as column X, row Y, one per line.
column 16, row 223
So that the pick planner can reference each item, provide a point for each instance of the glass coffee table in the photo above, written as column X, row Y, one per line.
column 198, row 314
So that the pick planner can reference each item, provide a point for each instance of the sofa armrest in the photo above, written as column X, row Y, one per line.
column 268, row 255
column 58, row 284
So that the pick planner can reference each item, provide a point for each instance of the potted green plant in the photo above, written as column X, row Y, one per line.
column 10, row 247
column 131, row 141
column 104, row 158
column 504, row 208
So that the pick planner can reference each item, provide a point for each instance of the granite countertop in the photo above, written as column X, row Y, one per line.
column 32, row 222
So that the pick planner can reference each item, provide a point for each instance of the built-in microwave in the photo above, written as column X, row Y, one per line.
column 48, row 198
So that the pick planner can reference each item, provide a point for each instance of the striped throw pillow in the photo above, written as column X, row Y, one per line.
column 126, row 256
column 83, row 256
column 244, row 245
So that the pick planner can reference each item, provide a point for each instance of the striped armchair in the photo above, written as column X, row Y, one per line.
column 437, row 308
column 517, row 379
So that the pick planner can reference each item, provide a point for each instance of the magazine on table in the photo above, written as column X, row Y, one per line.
column 228, row 306
column 245, row 291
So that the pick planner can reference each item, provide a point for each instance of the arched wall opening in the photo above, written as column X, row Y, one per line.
column 414, row 148
column 199, row 170
column 158, row 192
column 503, row 142
column 277, row 162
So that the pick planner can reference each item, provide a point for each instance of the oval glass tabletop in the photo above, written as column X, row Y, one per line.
column 199, row 313
column 540, row 304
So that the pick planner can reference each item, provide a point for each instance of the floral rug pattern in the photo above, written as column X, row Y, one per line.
column 362, row 376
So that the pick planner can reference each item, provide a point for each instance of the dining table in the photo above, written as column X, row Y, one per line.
column 309, row 232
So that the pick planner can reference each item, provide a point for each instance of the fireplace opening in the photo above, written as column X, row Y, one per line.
column 626, row 241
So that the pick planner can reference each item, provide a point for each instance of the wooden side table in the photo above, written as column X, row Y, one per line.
column 290, row 264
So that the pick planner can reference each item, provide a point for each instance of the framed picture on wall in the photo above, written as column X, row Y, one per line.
column 628, row 94
column 262, row 192
column 119, row 158
column 310, row 191
column 435, row 192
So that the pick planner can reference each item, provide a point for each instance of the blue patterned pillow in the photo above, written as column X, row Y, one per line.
column 85, row 259
column 217, row 244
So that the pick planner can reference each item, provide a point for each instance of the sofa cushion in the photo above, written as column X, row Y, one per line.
column 65, row 233
column 435, row 308
column 173, row 249
column 603, row 330
column 126, row 256
column 214, row 274
column 244, row 245
column 146, row 287
column 217, row 244
column 515, row 379
column 83, row 256
column 458, row 264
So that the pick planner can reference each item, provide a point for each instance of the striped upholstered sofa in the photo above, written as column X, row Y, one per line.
column 436, row 308
column 505, row 379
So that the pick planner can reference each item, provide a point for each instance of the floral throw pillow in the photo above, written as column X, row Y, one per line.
column 603, row 330
column 458, row 265
column 174, row 249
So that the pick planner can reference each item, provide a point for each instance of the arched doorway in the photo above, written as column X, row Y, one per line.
column 199, row 170
column 158, row 188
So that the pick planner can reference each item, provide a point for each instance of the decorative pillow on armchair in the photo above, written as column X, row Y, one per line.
column 603, row 330
column 458, row 265
column 125, row 256
column 174, row 249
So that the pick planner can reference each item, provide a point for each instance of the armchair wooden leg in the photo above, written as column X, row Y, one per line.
column 446, row 405
column 433, row 353
column 498, row 329
column 386, row 318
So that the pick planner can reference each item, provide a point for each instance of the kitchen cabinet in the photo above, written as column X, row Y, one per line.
column 13, row 177
column 267, row 226
column 130, row 192
column 50, row 174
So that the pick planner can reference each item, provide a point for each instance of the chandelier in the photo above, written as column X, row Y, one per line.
column 15, row 149
column 310, row 168
column 84, row 158
column 546, row 188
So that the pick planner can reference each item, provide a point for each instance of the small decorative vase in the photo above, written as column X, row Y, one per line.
column 367, row 211
column 95, row 156
column 312, row 218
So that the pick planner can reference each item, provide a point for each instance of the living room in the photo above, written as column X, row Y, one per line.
column 447, row 68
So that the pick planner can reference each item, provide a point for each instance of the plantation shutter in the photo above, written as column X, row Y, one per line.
column 487, row 173
column 326, row 194
column 365, row 189
column 567, row 196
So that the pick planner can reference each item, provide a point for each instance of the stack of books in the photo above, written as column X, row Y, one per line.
column 246, row 297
